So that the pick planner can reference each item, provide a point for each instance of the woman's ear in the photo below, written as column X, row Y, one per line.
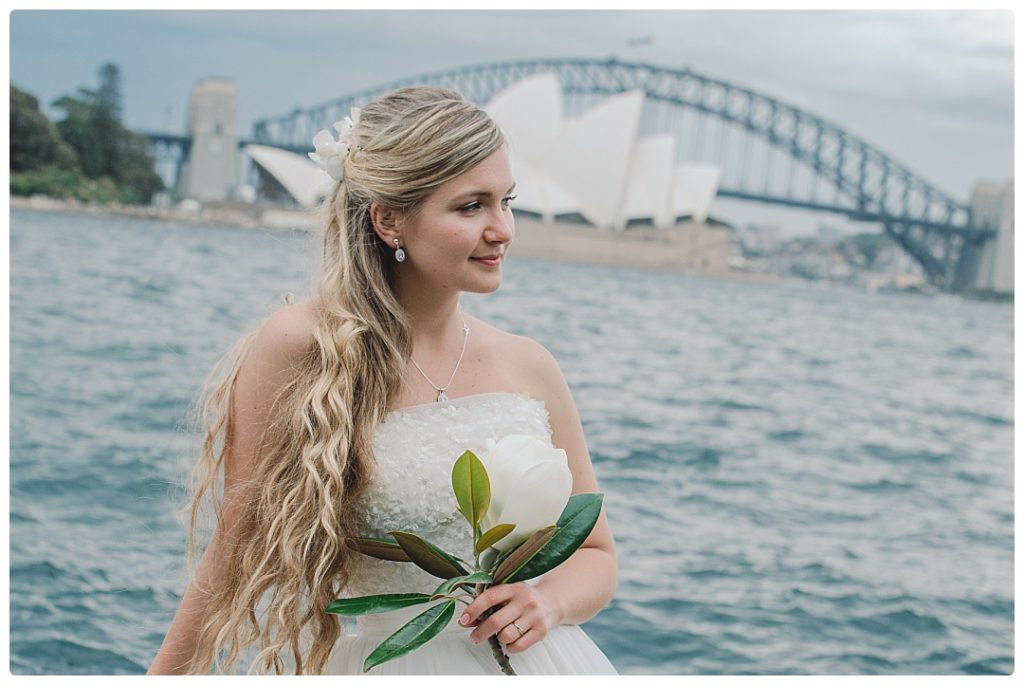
column 385, row 221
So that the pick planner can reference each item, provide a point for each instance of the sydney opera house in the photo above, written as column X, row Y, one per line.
column 588, row 186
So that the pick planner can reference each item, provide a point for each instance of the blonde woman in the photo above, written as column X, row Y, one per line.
column 342, row 415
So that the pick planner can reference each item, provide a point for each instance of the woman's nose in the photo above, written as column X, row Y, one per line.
column 501, row 228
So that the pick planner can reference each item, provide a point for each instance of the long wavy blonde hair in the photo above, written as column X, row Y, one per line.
column 286, row 557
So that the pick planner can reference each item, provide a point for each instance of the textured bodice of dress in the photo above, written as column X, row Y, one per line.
column 414, row 451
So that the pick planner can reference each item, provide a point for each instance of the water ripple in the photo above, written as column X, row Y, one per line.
column 802, row 480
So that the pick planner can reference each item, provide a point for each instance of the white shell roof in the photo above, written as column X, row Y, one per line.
column 594, row 164
column 300, row 176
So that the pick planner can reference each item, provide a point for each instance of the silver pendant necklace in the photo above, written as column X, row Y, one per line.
column 442, row 396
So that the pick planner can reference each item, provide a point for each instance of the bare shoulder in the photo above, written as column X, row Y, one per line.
column 270, row 364
column 287, row 334
column 531, row 366
column 280, row 345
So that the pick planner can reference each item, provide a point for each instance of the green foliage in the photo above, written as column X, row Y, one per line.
column 49, row 181
column 494, row 535
column 115, row 164
column 574, row 525
column 102, row 190
column 428, row 556
column 472, row 487
column 522, row 554
column 375, row 604
column 379, row 548
column 35, row 142
column 458, row 581
column 412, row 635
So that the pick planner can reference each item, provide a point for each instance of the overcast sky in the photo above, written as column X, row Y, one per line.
column 933, row 89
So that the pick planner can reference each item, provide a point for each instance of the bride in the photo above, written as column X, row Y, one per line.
column 342, row 415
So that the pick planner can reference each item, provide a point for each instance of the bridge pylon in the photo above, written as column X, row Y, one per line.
column 209, row 170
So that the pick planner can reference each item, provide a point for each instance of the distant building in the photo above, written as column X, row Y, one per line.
column 595, row 166
column 210, row 169
column 992, row 207
column 592, row 169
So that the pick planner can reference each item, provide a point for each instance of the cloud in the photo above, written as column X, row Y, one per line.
column 900, row 79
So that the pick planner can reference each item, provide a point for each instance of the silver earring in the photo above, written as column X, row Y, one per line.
column 399, row 253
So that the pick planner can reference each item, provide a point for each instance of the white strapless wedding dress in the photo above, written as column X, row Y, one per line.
column 414, row 450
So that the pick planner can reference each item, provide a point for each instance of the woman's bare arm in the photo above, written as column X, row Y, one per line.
column 581, row 586
column 577, row 589
column 281, row 342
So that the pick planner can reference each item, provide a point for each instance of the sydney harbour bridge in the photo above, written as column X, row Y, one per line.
column 769, row 151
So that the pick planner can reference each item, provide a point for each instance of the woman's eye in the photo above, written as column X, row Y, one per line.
column 470, row 207
column 506, row 200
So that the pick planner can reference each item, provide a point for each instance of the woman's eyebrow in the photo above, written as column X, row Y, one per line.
column 480, row 193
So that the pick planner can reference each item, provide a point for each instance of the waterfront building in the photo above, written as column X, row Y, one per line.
column 210, row 171
column 992, row 207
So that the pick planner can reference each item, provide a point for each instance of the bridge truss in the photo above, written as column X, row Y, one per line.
column 770, row 151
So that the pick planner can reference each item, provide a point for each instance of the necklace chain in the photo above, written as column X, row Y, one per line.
column 441, row 395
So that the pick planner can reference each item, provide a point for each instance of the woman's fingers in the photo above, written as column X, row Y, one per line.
column 493, row 596
column 511, row 604
column 494, row 623
column 532, row 636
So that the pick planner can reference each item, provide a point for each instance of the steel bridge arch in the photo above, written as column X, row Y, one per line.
column 933, row 227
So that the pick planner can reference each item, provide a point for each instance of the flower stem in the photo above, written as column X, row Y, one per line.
column 496, row 648
column 500, row 656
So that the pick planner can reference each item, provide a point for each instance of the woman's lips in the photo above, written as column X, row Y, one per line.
column 489, row 261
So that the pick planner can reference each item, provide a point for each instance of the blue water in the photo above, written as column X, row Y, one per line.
column 801, row 479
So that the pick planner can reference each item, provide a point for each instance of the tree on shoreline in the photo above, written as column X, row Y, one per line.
column 89, row 154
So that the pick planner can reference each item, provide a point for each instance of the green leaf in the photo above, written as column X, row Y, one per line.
column 379, row 548
column 412, row 635
column 452, row 583
column 523, row 553
column 472, row 487
column 375, row 604
column 493, row 535
column 431, row 559
column 574, row 525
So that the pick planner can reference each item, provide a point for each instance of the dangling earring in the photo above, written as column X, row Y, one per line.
column 399, row 253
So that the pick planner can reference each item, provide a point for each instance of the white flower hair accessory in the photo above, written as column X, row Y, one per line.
column 330, row 153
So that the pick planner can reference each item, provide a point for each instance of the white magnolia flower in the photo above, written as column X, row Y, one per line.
column 530, row 486
column 330, row 153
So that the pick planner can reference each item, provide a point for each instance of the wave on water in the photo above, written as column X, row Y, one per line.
column 800, row 480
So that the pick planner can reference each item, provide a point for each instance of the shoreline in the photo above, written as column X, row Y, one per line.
column 688, row 248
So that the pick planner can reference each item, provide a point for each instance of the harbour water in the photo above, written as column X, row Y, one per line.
column 801, row 479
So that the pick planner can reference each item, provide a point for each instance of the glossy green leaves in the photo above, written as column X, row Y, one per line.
column 375, row 604
column 379, row 548
column 472, row 487
column 458, row 581
column 523, row 553
column 493, row 535
column 412, row 635
column 428, row 557
column 574, row 525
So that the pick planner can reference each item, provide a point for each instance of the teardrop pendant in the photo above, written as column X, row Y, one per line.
column 441, row 396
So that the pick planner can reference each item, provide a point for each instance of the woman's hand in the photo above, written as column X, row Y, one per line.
column 510, row 605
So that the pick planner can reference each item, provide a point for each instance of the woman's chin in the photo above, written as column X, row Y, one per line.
column 483, row 287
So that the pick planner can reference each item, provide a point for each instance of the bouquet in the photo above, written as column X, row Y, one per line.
column 511, row 499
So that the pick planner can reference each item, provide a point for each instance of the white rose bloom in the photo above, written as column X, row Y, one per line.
column 530, row 486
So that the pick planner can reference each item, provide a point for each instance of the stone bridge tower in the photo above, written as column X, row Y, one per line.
column 210, row 168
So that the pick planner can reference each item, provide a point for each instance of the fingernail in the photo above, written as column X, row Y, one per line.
column 464, row 620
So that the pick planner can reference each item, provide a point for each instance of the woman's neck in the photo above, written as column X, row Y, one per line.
column 436, row 321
